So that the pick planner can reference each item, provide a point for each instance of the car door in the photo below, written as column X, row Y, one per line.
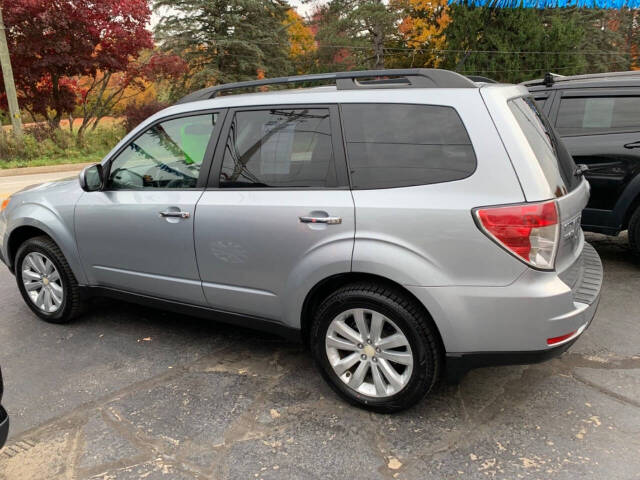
column 278, row 214
column 136, row 234
column 601, row 129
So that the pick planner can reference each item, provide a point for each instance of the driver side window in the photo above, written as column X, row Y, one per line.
column 167, row 155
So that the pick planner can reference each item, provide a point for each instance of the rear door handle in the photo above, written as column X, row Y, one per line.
column 632, row 145
column 175, row 214
column 325, row 220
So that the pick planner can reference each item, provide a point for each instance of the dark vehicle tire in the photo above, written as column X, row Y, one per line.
column 634, row 232
column 376, row 347
column 46, row 281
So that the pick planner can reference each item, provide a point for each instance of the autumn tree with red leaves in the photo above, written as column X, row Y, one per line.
column 54, row 43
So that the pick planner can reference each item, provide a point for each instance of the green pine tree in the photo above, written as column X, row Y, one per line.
column 225, row 40
column 514, row 44
column 609, row 37
column 364, row 27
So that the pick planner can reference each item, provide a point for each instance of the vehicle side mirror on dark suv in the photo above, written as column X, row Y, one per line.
column 91, row 178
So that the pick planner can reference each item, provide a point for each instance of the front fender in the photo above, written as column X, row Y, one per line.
column 55, row 224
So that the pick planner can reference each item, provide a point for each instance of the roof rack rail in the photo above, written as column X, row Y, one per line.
column 413, row 77
column 550, row 78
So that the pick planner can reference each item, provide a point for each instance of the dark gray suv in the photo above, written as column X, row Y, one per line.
column 598, row 118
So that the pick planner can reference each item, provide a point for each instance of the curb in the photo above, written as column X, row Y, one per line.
column 69, row 167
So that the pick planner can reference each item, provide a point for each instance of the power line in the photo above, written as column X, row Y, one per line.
column 555, row 69
column 432, row 50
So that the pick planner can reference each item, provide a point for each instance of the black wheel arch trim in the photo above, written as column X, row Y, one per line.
column 627, row 202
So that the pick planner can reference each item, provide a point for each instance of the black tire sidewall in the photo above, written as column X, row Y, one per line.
column 634, row 233
column 422, row 376
column 61, row 315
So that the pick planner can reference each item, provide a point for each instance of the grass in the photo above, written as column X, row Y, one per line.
column 43, row 146
column 47, row 161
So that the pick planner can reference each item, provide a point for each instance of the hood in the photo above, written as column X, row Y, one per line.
column 50, row 185
column 51, row 194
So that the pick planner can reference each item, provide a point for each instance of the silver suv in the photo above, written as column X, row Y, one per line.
column 403, row 223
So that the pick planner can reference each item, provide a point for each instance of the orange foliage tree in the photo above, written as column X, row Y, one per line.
column 301, row 38
column 302, row 42
column 103, row 92
column 423, row 30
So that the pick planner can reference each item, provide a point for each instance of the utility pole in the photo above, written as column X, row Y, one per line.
column 9, row 85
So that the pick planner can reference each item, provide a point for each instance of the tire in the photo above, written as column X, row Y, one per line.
column 634, row 232
column 70, row 304
column 400, row 312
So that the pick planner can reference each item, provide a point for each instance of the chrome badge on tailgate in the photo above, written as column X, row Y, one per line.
column 571, row 228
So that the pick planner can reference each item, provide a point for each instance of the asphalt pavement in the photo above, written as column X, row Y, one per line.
column 127, row 392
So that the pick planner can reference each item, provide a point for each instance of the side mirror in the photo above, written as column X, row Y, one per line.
column 91, row 178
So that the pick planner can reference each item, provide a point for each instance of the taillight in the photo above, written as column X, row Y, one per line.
column 529, row 231
column 5, row 203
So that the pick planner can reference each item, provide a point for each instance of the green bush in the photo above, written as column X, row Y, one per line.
column 42, row 145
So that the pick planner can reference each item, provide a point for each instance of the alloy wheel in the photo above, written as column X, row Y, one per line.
column 42, row 282
column 369, row 352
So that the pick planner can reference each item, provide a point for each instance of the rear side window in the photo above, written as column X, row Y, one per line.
column 393, row 145
column 279, row 147
column 554, row 159
column 581, row 115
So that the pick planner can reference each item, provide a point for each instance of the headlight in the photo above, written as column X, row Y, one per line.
column 5, row 203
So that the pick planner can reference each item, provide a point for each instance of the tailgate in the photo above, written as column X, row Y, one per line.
column 571, row 238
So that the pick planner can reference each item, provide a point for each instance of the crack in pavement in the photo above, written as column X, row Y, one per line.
column 606, row 391
column 514, row 392
column 517, row 391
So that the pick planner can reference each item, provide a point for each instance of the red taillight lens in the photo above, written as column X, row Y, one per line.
column 529, row 231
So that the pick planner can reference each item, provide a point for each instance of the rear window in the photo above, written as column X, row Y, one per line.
column 578, row 115
column 554, row 159
column 394, row 145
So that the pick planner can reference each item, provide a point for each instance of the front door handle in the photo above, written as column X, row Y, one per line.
column 632, row 145
column 325, row 220
column 175, row 214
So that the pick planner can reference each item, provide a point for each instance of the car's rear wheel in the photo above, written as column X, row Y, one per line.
column 634, row 232
column 376, row 347
column 46, row 281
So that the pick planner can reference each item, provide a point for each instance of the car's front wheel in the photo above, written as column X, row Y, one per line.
column 376, row 347
column 46, row 281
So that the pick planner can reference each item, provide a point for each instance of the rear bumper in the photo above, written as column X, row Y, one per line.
column 482, row 326
column 4, row 426
column 458, row 365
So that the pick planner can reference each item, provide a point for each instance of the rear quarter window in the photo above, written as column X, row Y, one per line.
column 395, row 145
column 555, row 161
